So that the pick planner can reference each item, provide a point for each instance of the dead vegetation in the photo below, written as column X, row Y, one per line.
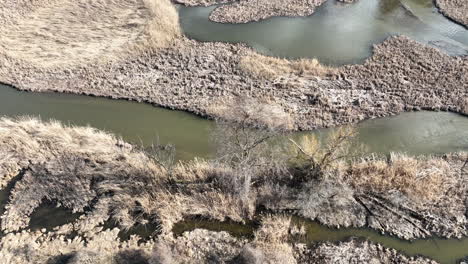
column 426, row 179
column 93, row 31
column 271, row 243
column 270, row 67
column 321, row 159
column 163, row 27
column 105, row 179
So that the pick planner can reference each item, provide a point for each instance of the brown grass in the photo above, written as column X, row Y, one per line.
column 69, row 32
column 164, row 26
column 270, row 67
column 423, row 179
column 271, row 239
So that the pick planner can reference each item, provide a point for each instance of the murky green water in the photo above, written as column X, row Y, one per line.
column 49, row 216
column 414, row 133
column 336, row 33
column 445, row 251
column 135, row 122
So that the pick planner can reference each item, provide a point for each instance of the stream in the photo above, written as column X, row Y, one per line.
column 445, row 251
column 337, row 33
column 415, row 133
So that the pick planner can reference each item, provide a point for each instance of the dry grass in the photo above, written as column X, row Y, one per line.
column 172, row 208
column 260, row 113
column 271, row 241
column 124, row 183
column 164, row 26
column 56, row 157
column 270, row 67
column 423, row 179
column 69, row 32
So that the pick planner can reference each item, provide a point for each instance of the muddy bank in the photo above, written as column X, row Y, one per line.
column 201, row 2
column 457, row 10
column 198, row 246
column 246, row 11
column 104, row 179
column 357, row 252
column 195, row 77
column 251, row 11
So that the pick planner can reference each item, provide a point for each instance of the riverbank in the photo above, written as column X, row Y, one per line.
column 455, row 10
column 251, row 11
column 104, row 179
column 196, row 77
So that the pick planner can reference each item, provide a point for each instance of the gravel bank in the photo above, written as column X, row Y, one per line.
column 457, row 10
column 246, row 11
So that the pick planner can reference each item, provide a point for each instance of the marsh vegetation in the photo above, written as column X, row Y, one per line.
column 260, row 174
column 107, row 180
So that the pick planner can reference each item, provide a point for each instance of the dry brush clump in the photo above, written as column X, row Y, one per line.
column 271, row 68
column 70, row 166
column 164, row 27
column 271, row 243
column 321, row 159
column 424, row 179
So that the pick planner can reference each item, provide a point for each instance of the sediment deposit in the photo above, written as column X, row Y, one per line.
column 457, row 10
column 253, row 10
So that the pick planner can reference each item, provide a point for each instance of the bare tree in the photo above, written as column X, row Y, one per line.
column 316, row 158
column 247, row 140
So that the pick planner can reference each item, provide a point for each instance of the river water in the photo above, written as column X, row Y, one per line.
column 445, row 251
column 336, row 33
column 414, row 133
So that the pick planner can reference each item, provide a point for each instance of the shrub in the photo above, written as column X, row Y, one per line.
column 271, row 67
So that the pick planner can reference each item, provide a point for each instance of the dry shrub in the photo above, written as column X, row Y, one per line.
column 271, row 67
column 164, row 26
column 172, row 208
column 162, row 254
column 256, row 112
column 425, row 179
column 271, row 239
column 319, row 158
column 274, row 229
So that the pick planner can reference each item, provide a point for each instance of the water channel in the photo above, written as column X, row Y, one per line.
column 415, row 133
column 336, row 33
